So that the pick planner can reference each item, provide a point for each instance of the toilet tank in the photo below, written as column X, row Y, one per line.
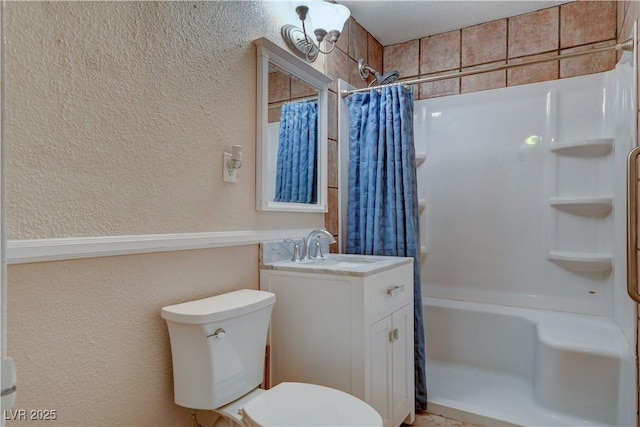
column 218, row 346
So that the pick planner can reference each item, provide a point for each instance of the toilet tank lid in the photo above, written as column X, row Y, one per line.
column 219, row 307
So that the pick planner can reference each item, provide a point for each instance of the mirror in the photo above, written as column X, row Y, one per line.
column 291, row 145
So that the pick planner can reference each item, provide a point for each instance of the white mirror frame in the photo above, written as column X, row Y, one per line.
column 268, row 52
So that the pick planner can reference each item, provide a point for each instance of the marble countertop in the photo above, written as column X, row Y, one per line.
column 341, row 264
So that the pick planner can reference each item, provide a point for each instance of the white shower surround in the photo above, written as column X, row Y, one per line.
column 503, row 175
column 488, row 226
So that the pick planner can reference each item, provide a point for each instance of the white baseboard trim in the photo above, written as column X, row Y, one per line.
column 43, row 250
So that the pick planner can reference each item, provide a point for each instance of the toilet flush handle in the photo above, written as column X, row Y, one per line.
column 219, row 333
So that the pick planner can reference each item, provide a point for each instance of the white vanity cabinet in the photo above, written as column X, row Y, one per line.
column 345, row 329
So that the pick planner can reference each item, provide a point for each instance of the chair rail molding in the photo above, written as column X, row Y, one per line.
column 66, row 248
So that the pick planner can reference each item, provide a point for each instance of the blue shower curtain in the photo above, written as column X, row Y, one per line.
column 383, row 198
column 297, row 148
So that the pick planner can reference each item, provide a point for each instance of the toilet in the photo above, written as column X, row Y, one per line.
column 218, row 350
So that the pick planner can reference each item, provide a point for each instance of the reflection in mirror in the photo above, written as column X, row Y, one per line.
column 292, row 135
column 291, row 132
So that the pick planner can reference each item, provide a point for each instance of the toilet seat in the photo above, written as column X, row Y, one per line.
column 298, row 404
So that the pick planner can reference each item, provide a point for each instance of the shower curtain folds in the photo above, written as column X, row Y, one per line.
column 382, row 207
column 297, row 148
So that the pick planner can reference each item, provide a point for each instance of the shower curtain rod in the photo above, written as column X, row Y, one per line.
column 628, row 45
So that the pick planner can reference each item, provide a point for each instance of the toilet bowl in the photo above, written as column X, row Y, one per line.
column 217, row 349
column 299, row 404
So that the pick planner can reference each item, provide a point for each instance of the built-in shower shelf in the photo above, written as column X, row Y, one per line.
column 420, row 158
column 583, row 262
column 422, row 204
column 584, row 148
column 584, row 206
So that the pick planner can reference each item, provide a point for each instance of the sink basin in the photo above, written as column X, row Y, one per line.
column 356, row 265
column 345, row 261
column 346, row 264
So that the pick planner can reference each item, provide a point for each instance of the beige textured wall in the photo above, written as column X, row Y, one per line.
column 88, row 338
column 118, row 116
column 120, row 113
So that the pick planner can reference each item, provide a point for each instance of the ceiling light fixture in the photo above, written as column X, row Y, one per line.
column 327, row 20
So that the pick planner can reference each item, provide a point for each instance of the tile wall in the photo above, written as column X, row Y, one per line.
column 547, row 32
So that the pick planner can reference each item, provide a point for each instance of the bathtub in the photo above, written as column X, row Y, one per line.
column 491, row 364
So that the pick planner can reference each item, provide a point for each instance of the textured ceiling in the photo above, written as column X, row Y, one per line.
column 398, row 21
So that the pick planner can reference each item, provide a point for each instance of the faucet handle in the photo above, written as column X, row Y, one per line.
column 319, row 254
column 296, row 250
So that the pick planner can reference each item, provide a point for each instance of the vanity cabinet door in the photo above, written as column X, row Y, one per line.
column 380, row 376
column 391, row 376
column 402, row 365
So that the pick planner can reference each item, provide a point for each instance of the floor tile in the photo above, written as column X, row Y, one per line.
column 430, row 420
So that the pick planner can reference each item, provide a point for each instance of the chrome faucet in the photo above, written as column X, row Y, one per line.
column 296, row 249
column 307, row 245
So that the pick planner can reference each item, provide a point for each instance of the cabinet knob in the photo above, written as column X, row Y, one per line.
column 395, row 290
